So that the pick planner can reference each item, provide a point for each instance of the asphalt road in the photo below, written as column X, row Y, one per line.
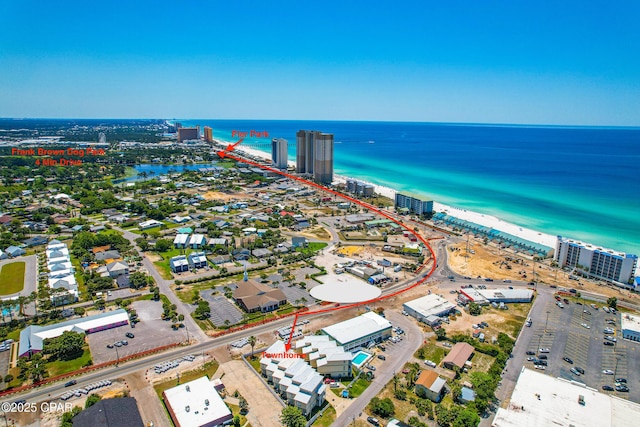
column 411, row 341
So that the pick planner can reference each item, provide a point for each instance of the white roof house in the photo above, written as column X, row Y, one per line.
column 196, row 403
column 149, row 224
column 181, row 239
column 197, row 240
column 541, row 400
column 359, row 330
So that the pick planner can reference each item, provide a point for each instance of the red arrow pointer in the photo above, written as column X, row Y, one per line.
column 228, row 148
column 287, row 345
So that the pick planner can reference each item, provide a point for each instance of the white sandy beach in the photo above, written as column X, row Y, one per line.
column 467, row 215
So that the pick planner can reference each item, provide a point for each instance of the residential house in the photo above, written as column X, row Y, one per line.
column 197, row 241
column 261, row 253
column 35, row 241
column 197, row 260
column 430, row 385
column 149, row 224
column 458, row 356
column 106, row 255
column 180, row 241
column 221, row 259
column 14, row 251
column 179, row 264
column 117, row 268
column 241, row 254
column 299, row 242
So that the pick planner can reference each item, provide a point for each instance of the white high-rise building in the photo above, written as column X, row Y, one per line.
column 279, row 153
column 595, row 261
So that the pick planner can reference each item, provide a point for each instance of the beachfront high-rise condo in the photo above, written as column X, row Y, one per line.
column 279, row 153
column 314, row 155
column 188, row 134
column 596, row 262
column 208, row 134
column 406, row 204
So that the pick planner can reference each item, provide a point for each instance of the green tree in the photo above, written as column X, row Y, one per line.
column 292, row 417
column 382, row 407
column 400, row 394
column 138, row 280
column 65, row 347
column 252, row 342
column 79, row 311
column 466, row 418
column 8, row 378
column 67, row 417
column 163, row 245
column 612, row 302
column 474, row 309
column 236, row 421
column 92, row 400
column 441, row 334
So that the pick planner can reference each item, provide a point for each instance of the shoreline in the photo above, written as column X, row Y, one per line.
column 464, row 214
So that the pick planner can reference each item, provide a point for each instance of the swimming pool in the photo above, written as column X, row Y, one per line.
column 360, row 358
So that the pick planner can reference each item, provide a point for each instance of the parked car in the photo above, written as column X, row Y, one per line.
column 610, row 338
column 584, row 325
column 129, row 335
column 543, row 350
column 607, row 388
column 109, row 345
column 430, row 363
column 608, row 372
column 586, row 312
column 530, row 353
column 381, row 357
column 609, row 343
column 623, row 388
column 575, row 371
column 580, row 370
column 373, row 421
column 566, row 359
column 621, row 380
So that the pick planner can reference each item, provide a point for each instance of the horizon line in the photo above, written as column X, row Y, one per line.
column 495, row 124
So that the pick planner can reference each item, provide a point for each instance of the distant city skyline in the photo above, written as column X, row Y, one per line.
column 548, row 63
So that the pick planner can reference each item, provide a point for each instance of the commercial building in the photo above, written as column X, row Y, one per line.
column 297, row 383
column 208, row 134
column 279, row 153
column 430, row 385
column 458, row 356
column 596, row 262
column 499, row 295
column 429, row 308
column 254, row 296
column 314, row 155
column 324, row 355
column 542, row 400
column 630, row 325
column 113, row 412
column 363, row 330
column 413, row 205
column 197, row 404
column 188, row 134
column 32, row 337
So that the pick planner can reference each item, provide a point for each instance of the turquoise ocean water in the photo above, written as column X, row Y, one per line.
column 580, row 182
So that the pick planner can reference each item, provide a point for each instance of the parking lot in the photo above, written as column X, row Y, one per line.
column 151, row 332
column 221, row 309
column 576, row 332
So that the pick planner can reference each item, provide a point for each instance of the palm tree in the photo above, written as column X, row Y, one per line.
column 252, row 342
column 33, row 297
column 22, row 301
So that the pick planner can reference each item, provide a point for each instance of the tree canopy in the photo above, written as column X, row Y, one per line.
column 292, row 417
column 65, row 347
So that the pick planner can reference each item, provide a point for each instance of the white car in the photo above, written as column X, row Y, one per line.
column 607, row 372
column 610, row 338
column 584, row 325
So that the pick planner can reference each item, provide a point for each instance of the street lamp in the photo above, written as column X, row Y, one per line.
column 117, row 355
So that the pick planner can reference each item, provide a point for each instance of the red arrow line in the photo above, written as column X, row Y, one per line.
column 358, row 202
column 230, row 147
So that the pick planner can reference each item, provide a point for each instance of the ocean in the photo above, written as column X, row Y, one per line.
column 579, row 182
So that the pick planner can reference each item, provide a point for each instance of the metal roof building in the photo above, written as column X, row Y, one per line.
column 541, row 400
column 428, row 305
column 196, row 403
column 359, row 331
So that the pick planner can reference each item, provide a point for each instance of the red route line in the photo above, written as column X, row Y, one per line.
column 358, row 202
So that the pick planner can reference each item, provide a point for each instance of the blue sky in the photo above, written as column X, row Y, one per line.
column 446, row 61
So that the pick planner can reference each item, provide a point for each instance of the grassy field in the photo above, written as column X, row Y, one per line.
column 12, row 278
column 63, row 366
column 431, row 352
column 327, row 418
column 209, row 370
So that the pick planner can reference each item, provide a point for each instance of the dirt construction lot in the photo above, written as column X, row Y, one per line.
column 151, row 332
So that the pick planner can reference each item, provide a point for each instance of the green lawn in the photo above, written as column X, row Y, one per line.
column 12, row 278
column 431, row 352
column 210, row 368
column 327, row 418
column 358, row 387
column 63, row 366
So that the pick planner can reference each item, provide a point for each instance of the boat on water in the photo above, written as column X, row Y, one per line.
column 372, row 142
